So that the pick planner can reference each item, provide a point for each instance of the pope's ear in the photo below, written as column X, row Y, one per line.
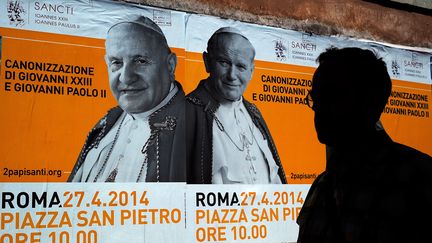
column 172, row 62
column 252, row 68
column 206, row 60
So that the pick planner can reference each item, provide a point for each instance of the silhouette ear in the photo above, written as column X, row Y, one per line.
column 206, row 60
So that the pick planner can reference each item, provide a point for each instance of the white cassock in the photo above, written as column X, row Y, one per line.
column 241, row 154
column 121, row 149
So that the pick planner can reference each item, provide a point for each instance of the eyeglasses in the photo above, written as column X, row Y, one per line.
column 308, row 99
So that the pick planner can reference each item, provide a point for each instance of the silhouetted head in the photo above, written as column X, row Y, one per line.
column 140, row 64
column 230, row 62
column 350, row 89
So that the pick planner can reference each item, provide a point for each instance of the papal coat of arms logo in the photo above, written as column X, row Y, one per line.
column 15, row 12
column 280, row 50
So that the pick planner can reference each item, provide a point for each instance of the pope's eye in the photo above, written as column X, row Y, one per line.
column 223, row 63
column 115, row 62
column 141, row 61
column 241, row 67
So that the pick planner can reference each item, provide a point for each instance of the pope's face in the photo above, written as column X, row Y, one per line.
column 230, row 65
column 138, row 67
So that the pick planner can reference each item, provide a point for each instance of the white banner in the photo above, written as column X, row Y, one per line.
column 100, row 212
column 251, row 213
column 86, row 18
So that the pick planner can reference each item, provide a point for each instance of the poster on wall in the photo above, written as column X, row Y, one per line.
column 283, row 63
column 283, row 68
column 97, row 91
column 58, row 85
column 56, row 82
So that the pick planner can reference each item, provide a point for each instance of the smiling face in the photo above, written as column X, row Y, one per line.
column 140, row 68
column 230, row 64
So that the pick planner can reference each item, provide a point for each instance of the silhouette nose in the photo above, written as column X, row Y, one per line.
column 128, row 75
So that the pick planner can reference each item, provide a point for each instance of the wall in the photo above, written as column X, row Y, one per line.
column 352, row 18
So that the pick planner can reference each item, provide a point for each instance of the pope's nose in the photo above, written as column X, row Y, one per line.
column 128, row 74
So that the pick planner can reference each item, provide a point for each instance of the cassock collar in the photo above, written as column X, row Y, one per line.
column 145, row 115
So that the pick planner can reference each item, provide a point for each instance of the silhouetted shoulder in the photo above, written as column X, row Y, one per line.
column 415, row 161
column 408, row 152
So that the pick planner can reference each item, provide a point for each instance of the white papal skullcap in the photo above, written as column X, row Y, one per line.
column 228, row 29
column 144, row 22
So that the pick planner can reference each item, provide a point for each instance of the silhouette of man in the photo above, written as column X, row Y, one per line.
column 373, row 189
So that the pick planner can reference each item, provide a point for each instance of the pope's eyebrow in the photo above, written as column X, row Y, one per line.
column 144, row 57
column 111, row 57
